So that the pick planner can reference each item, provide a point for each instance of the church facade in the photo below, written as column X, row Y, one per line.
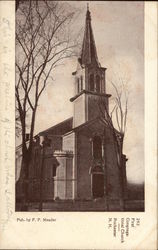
column 80, row 162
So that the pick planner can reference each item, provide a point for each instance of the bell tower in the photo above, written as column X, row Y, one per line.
column 90, row 99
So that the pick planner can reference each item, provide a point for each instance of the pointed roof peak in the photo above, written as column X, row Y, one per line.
column 88, row 53
column 88, row 15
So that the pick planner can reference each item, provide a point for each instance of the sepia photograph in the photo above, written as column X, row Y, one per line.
column 79, row 106
column 78, row 124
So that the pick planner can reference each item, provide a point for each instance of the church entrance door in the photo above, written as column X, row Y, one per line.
column 98, row 185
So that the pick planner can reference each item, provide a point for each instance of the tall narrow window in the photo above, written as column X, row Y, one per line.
column 97, row 147
column 54, row 170
column 78, row 85
column 91, row 82
column 81, row 83
column 98, row 87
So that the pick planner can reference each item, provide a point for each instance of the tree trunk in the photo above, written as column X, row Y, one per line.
column 122, row 203
column 105, row 176
column 41, row 180
column 118, row 149
column 25, row 179
column 22, row 183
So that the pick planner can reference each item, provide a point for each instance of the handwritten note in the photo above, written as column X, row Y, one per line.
column 6, row 121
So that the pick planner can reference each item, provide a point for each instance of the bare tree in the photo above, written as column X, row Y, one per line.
column 120, row 109
column 43, row 41
column 117, row 116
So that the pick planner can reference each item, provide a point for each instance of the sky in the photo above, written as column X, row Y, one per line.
column 118, row 29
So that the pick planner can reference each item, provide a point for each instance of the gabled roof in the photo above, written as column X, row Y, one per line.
column 60, row 128
column 99, row 118
column 90, row 122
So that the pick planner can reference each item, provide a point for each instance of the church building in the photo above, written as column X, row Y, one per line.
column 81, row 161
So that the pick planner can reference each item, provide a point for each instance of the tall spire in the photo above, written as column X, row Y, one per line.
column 88, row 53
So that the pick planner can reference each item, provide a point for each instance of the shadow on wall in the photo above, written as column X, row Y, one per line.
column 135, row 191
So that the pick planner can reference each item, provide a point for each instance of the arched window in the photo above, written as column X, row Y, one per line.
column 98, row 84
column 97, row 147
column 91, row 82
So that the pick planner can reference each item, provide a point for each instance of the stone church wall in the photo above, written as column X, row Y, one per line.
column 79, row 111
column 113, row 180
column 63, row 180
column 69, row 141
column 69, row 178
column 84, row 161
column 56, row 142
column 99, row 103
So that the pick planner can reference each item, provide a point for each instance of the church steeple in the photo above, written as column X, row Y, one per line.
column 89, row 52
column 90, row 96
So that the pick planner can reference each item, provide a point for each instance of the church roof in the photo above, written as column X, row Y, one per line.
column 60, row 128
column 89, row 52
column 97, row 119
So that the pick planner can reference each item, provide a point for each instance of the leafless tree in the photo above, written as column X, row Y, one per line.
column 120, row 109
column 43, row 41
column 117, row 116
